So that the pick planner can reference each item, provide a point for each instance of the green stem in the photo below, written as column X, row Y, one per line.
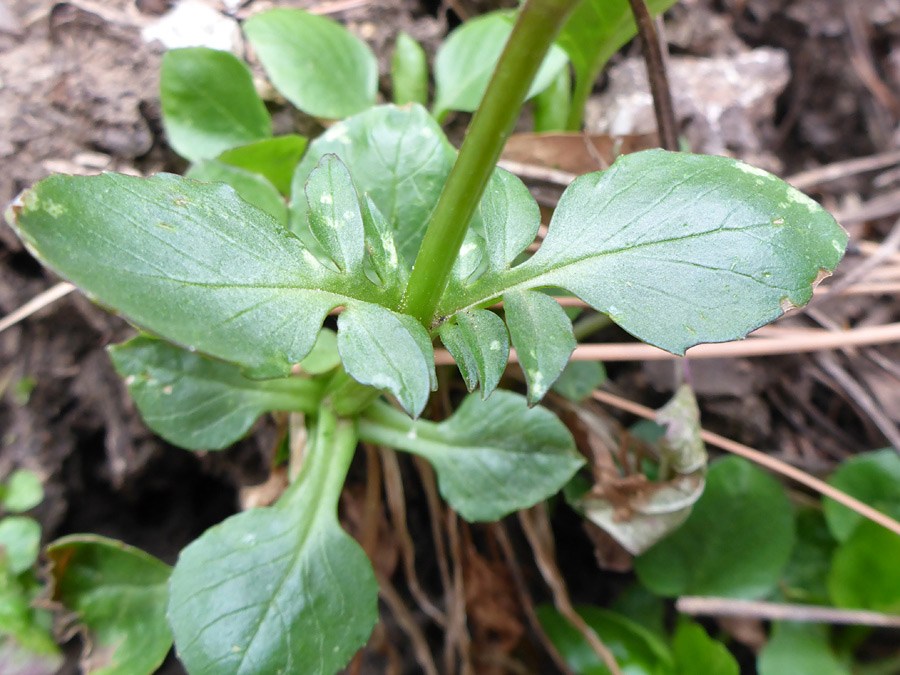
column 534, row 32
column 296, row 394
column 331, row 446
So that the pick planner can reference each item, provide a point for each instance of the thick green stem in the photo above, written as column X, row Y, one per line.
column 534, row 32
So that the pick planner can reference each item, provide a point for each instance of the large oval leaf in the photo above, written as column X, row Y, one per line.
column 678, row 249
column 209, row 103
column 872, row 477
column 281, row 589
column 315, row 62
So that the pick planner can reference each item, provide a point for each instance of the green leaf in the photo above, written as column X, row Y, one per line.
column 594, row 32
column 273, row 158
column 22, row 492
column 799, row 649
column 281, row 589
column 864, row 570
column 511, row 219
column 466, row 60
column 479, row 343
column 209, row 103
column 388, row 351
column 677, row 249
column 409, row 71
column 806, row 576
column 579, row 379
column 735, row 543
column 26, row 645
column 193, row 263
column 551, row 106
column 636, row 649
column 873, row 478
column 542, row 335
column 334, row 215
column 317, row 64
column 119, row 594
column 696, row 652
column 199, row 403
column 397, row 156
column 252, row 187
column 20, row 543
column 324, row 355
column 492, row 457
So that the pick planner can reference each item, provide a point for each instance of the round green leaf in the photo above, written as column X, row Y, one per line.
column 871, row 477
column 865, row 570
column 315, row 62
column 697, row 653
column 735, row 543
column 636, row 649
column 20, row 542
column 119, row 594
column 274, row 158
column 799, row 649
column 209, row 103
column 22, row 492
column 467, row 58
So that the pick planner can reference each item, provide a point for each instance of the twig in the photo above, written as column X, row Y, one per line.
column 849, row 167
column 777, row 611
column 887, row 248
column 393, row 486
column 656, row 74
column 537, row 172
column 502, row 538
column 37, row 303
column 408, row 623
column 537, row 530
column 457, row 629
column 790, row 342
column 764, row 460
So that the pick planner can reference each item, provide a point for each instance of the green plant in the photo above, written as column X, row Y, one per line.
column 414, row 243
column 26, row 646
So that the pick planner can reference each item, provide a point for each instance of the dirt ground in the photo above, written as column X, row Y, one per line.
column 819, row 83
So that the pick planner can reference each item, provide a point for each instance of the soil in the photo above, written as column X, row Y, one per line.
column 78, row 95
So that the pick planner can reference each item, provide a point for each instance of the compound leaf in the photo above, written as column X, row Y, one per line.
column 200, row 403
column 542, row 335
column 492, row 457
column 252, row 187
column 397, row 156
column 388, row 351
column 209, row 103
column 479, row 343
column 191, row 262
column 274, row 158
column 317, row 64
column 677, row 249
column 281, row 589
column 119, row 595
column 466, row 60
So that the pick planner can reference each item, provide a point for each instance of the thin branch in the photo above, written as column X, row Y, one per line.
column 767, row 461
column 784, row 341
column 777, row 611
column 656, row 75
column 408, row 623
column 537, row 530
column 36, row 304
column 849, row 167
